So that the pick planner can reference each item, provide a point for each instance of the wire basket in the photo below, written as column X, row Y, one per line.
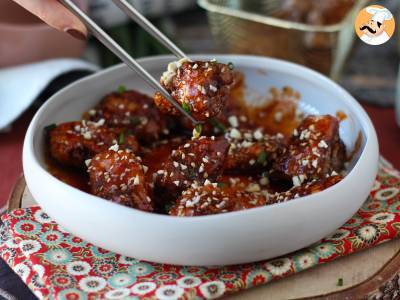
column 247, row 27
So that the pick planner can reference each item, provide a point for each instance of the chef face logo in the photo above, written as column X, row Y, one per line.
column 374, row 25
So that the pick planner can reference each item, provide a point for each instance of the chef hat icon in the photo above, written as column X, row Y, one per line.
column 379, row 14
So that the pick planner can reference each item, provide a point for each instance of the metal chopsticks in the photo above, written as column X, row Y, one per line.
column 150, row 28
column 114, row 47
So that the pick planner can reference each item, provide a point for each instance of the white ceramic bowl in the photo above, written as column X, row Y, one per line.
column 223, row 239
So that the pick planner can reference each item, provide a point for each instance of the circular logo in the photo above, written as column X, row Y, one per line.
column 374, row 25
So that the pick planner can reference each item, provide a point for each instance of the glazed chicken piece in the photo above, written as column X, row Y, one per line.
column 195, row 161
column 210, row 199
column 134, row 111
column 306, row 189
column 119, row 176
column 314, row 150
column 251, row 151
column 234, row 114
column 201, row 88
column 74, row 142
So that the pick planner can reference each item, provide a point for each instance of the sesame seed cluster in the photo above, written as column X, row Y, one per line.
column 119, row 175
column 314, row 151
column 201, row 87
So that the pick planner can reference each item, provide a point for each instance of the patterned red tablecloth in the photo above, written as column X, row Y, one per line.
column 58, row 265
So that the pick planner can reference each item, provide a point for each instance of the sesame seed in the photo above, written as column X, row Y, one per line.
column 315, row 163
column 87, row 135
column 322, row 144
column 114, row 147
column 296, row 181
column 278, row 116
column 233, row 121
column 235, row 134
column 258, row 134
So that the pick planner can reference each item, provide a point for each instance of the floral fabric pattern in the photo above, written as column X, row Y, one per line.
column 57, row 265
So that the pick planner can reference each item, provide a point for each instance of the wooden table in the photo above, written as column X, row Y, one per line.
column 371, row 272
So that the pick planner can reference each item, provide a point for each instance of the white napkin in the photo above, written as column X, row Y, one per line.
column 20, row 85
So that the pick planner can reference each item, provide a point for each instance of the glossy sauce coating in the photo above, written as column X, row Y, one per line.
column 118, row 175
column 74, row 142
column 230, row 168
column 195, row 161
column 133, row 111
column 201, row 88
column 306, row 189
column 251, row 150
column 314, row 151
column 209, row 199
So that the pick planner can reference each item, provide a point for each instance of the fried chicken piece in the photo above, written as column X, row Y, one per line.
column 134, row 111
column 119, row 176
column 306, row 189
column 195, row 161
column 199, row 87
column 251, row 151
column 72, row 143
column 314, row 150
column 234, row 114
column 210, row 199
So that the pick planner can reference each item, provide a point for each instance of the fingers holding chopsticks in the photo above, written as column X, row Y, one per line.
column 56, row 15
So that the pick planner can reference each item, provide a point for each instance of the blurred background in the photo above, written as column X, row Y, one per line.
column 36, row 60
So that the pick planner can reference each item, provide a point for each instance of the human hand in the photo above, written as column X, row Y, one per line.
column 56, row 15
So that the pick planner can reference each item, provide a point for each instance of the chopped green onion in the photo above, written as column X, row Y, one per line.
column 220, row 184
column 198, row 128
column 135, row 121
column 186, row 107
column 339, row 282
column 218, row 125
column 192, row 174
column 121, row 138
column 231, row 66
column 168, row 206
column 121, row 89
column 49, row 128
column 262, row 157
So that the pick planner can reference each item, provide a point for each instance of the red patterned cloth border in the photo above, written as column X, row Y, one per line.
column 57, row 265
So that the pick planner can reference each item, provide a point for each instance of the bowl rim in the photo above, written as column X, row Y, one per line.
column 29, row 153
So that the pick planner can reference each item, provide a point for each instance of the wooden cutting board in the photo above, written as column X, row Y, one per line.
column 371, row 272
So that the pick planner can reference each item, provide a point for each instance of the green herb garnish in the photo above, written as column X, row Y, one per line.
column 135, row 121
column 220, row 184
column 231, row 66
column 192, row 174
column 168, row 206
column 121, row 89
column 121, row 138
column 186, row 107
column 262, row 157
column 49, row 128
column 218, row 125
column 339, row 282
column 198, row 128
